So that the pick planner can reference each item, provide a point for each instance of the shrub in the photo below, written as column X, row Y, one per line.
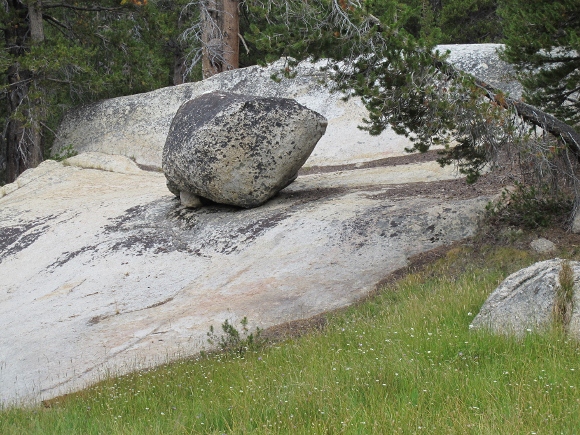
column 528, row 207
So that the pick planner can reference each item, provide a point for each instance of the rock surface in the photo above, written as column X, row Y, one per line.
column 238, row 149
column 105, row 271
column 524, row 301
column 136, row 126
column 104, row 162
column 482, row 60
column 543, row 246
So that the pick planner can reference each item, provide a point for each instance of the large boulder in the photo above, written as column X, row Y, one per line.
column 525, row 300
column 238, row 149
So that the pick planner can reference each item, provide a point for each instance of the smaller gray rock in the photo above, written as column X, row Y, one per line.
column 543, row 246
column 189, row 200
column 525, row 300
column 238, row 149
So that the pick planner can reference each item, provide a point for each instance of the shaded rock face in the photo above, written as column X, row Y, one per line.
column 525, row 300
column 238, row 149
column 576, row 224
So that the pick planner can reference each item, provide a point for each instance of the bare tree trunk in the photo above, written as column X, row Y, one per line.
column 231, row 30
column 35, row 22
column 23, row 141
column 528, row 113
column 220, row 41
column 211, row 38
column 179, row 68
column 35, row 110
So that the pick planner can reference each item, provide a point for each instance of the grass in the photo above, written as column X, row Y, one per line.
column 564, row 303
column 404, row 362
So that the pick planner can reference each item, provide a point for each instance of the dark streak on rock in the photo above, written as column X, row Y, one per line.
column 14, row 239
column 458, row 189
column 158, row 304
column 256, row 228
column 129, row 214
column 308, row 195
column 68, row 256
column 149, row 239
column 428, row 156
column 96, row 319
column 163, row 227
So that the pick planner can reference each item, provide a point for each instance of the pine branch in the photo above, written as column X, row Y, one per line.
column 57, row 24
column 527, row 112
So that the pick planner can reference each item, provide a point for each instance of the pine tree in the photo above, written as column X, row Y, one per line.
column 55, row 54
column 470, row 21
column 543, row 40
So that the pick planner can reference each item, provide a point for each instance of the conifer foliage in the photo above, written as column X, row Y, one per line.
column 543, row 40
column 57, row 53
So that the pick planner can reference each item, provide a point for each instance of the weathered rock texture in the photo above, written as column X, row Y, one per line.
column 482, row 61
column 104, row 162
column 136, row 126
column 543, row 246
column 238, row 149
column 106, row 271
column 524, row 301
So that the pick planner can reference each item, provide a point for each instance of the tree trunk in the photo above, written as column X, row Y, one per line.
column 179, row 68
column 35, row 22
column 23, row 141
column 220, row 41
column 231, row 30
column 24, row 147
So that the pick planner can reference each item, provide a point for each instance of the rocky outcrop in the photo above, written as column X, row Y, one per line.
column 238, row 149
column 136, row 126
column 105, row 271
column 525, row 300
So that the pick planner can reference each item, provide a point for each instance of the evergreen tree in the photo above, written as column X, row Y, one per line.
column 55, row 54
column 543, row 41
column 469, row 21
column 454, row 21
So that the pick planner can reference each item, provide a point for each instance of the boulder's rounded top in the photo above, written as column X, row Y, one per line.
column 238, row 149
